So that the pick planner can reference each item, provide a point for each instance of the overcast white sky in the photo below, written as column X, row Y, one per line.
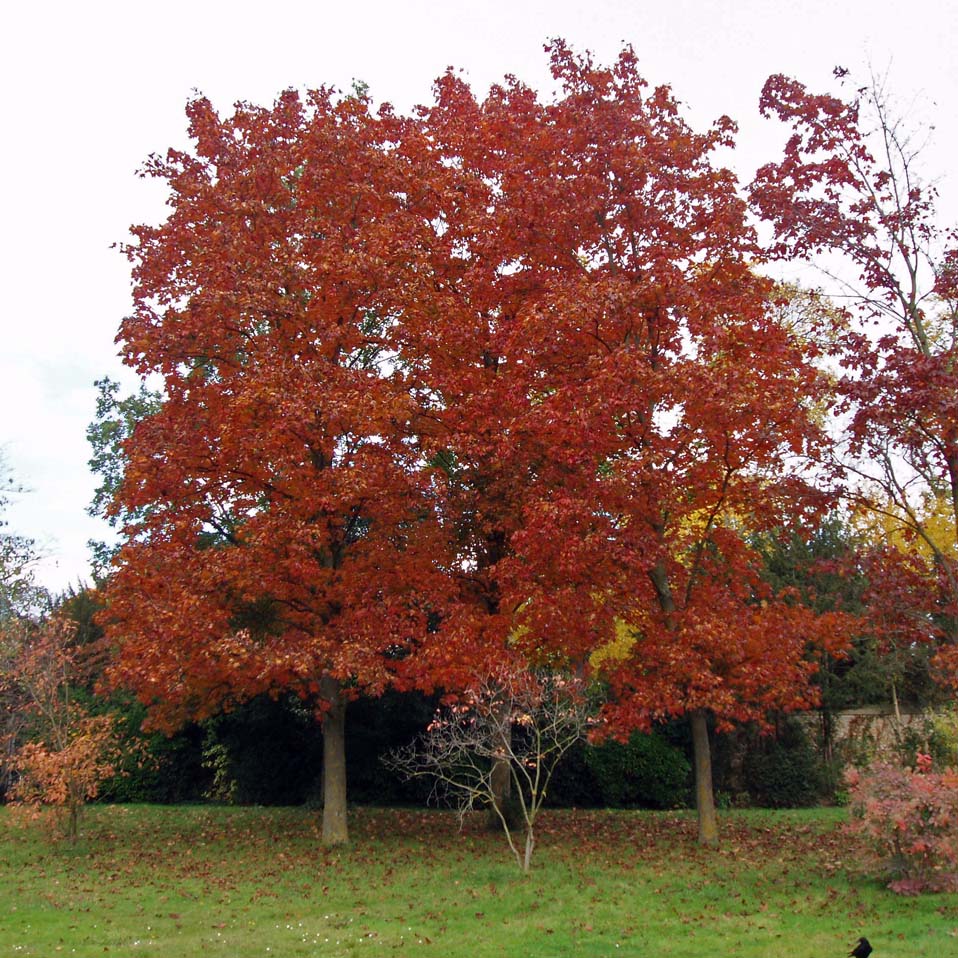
column 91, row 89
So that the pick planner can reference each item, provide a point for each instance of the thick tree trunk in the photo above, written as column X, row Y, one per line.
column 704, row 794
column 501, row 782
column 701, row 750
column 335, row 831
column 501, row 779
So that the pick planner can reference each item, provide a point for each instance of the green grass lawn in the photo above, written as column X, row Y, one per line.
column 180, row 882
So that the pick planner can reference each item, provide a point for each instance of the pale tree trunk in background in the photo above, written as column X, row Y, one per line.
column 704, row 794
column 335, row 831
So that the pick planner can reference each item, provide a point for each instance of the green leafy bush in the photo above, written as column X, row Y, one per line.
column 265, row 752
column 375, row 727
column 645, row 772
column 942, row 737
column 573, row 784
column 784, row 771
column 153, row 767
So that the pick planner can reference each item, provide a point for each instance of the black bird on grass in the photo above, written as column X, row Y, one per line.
column 861, row 950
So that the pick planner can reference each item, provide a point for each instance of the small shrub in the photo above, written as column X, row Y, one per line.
column 912, row 739
column 943, row 737
column 834, row 788
column 66, row 774
column 513, row 720
column 645, row 772
column 908, row 819
column 65, row 753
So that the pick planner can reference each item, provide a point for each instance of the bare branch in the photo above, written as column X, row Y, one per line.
column 525, row 720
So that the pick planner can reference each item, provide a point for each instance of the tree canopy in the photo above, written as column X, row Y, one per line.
column 500, row 379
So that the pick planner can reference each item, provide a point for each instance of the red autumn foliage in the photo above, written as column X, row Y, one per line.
column 625, row 407
column 848, row 190
column 287, row 512
column 896, row 601
column 289, row 515
column 457, row 387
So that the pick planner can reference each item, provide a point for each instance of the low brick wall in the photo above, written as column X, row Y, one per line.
column 865, row 734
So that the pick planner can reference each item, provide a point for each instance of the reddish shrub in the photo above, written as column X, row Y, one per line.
column 908, row 820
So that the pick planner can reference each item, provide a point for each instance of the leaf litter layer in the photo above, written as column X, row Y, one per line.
column 186, row 881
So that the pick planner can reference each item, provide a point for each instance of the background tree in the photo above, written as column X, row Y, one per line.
column 838, row 567
column 847, row 194
column 20, row 599
column 114, row 423
column 20, row 595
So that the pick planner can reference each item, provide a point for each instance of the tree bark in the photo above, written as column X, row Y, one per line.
column 73, row 824
column 501, row 777
column 335, row 830
column 704, row 794
column 701, row 750
column 896, row 707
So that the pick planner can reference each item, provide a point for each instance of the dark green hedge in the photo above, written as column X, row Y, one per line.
column 645, row 772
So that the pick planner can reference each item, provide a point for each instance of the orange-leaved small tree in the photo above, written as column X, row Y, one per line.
column 68, row 752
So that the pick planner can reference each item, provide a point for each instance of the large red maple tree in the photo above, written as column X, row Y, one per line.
column 643, row 405
column 698, row 399
column 289, row 541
